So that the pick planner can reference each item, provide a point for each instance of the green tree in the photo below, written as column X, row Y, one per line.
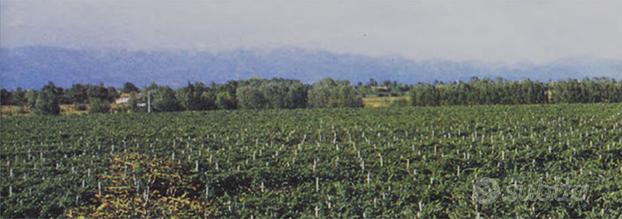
column 425, row 95
column 128, row 87
column 164, row 100
column 18, row 97
column 31, row 98
column 5, row 97
column 133, row 103
column 101, row 92
column 224, row 100
column 98, row 106
column 47, row 100
column 331, row 93
column 196, row 97
column 275, row 93
column 79, row 93
column 250, row 97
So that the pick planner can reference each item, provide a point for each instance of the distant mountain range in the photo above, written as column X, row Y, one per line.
column 32, row 67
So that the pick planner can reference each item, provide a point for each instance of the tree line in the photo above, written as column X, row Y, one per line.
column 253, row 93
column 281, row 93
column 486, row 91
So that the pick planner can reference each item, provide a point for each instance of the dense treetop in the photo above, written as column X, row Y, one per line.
column 278, row 93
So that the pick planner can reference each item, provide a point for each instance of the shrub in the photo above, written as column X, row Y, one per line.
column 47, row 104
column 224, row 100
column 331, row 93
column 98, row 106
column 80, row 107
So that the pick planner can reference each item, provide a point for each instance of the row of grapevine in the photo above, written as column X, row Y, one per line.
column 420, row 162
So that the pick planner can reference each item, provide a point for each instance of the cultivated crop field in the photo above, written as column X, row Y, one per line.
column 532, row 161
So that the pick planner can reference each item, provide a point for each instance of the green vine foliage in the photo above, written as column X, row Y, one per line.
column 375, row 163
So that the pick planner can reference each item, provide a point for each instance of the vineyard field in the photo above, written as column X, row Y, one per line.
column 534, row 160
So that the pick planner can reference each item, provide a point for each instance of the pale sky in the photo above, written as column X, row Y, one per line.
column 493, row 31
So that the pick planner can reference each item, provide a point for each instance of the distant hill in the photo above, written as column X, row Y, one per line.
column 31, row 67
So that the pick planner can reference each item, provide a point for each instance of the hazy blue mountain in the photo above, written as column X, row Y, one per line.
column 31, row 67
